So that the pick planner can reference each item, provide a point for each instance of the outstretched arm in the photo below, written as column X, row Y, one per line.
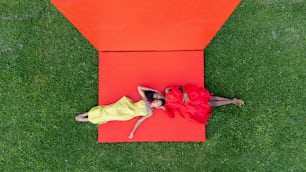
column 142, row 89
column 185, row 95
column 147, row 89
column 139, row 121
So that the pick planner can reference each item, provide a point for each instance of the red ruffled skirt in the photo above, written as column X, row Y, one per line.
column 197, row 108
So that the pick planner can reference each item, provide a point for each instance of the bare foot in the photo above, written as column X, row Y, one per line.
column 238, row 102
column 82, row 117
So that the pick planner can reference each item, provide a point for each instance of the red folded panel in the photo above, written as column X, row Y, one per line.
column 121, row 72
column 142, row 25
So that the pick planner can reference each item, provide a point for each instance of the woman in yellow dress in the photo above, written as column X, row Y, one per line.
column 125, row 109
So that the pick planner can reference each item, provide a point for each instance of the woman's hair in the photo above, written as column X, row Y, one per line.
column 163, row 102
column 149, row 95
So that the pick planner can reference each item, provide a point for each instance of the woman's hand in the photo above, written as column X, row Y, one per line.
column 167, row 90
column 185, row 95
column 162, row 108
column 131, row 135
column 186, row 98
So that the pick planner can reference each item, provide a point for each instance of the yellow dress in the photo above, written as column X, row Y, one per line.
column 123, row 110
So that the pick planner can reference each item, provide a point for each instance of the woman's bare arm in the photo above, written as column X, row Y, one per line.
column 147, row 89
column 141, row 92
column 185, row 95
column 142, row 89
column 139, row 121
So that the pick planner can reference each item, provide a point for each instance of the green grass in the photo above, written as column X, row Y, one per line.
column 48, row 73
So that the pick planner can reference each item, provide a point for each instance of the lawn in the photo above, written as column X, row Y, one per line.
column 48, row 74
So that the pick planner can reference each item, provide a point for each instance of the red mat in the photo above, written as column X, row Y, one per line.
column 121, row 72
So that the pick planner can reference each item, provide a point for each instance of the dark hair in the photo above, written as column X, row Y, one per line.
column 149, row 95
column 163, row 102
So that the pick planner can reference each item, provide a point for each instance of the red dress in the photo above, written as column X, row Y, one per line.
column 197, row 108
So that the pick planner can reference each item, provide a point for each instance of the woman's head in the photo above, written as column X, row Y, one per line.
column 157, row 95
column 157, row 103
column 152, row 95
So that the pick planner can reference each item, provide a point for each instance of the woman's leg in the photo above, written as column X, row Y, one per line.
column 216, row 103
column 215, row 98
column 82, row 117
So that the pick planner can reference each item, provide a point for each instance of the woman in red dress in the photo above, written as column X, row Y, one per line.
column 195, row 102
